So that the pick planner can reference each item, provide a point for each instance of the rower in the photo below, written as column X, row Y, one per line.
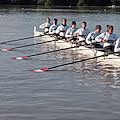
column 70, row 31
column 46, row 26
column 61, row 30
column 53, row 27
column 107, row 39
column 82, row 33
column 90, row 40
column 117, row 46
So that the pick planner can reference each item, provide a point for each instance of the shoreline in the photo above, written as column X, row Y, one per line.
column 61, row 7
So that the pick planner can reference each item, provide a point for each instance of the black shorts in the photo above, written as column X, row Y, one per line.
column 109, row 49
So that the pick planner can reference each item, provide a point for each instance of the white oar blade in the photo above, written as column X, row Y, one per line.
column 19, row 58
column 40, row 70
column 8, row 49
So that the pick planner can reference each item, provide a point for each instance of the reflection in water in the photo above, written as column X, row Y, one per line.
column 112, row 76
column 109, row 72
column 86, row 68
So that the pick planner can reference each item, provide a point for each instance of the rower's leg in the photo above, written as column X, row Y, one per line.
column 109, row 49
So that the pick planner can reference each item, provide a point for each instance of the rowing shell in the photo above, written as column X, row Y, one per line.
column 111, row 59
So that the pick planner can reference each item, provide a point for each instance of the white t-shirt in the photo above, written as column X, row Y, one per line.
column 105, row 36
column 45, row 26
column 70, row 31
column 53, row 28
column 91, row 37
column 83, row 33
column 61, row 30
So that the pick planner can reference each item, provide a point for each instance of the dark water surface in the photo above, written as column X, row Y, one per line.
column 83, row 91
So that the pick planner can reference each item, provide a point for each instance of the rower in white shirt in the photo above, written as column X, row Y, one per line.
column 46, row 26
column 108, row 39
column 70, row 31
column 90, row 40
column 82, row 33
column 117, row 46
column 61, row 30
column 53, row 27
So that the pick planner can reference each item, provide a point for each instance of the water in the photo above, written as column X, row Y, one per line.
column 76, row 92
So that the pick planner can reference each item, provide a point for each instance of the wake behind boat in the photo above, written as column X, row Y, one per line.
column 111, row 59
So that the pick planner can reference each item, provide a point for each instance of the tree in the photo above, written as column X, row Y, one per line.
column 81, row 2
column 41, row 2
column 49, row 2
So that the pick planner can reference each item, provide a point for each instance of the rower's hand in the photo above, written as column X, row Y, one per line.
column 46, row 27
column 105, row 41
column 93, row 41
column 61, row 31
column 82, row 35
column 79, row 35
column 75, row 34
column 72, row 36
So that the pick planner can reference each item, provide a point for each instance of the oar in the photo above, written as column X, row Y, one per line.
column 25, row 57
column 47, row 69
column 9, row 49
column 19, row 39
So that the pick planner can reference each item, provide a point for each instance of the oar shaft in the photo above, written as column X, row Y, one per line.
column 33, row 44
column 50, row 51
column 75, row 62
column 18, row 39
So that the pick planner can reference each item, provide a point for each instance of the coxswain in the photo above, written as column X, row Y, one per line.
column 108, row 39
column 90, row 40
column 46, row 26
column 82, row 33
column 70, row 31
column 53, row 27
column 61, row 30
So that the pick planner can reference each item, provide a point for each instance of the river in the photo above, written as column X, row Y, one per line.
column 80, row 91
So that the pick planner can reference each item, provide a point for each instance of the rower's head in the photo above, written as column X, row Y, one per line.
column 73, row 24
column 55, row 21
column 110, row 29
column 98, row 28
column 64, row 22
column 48, row 20
column 84, row 24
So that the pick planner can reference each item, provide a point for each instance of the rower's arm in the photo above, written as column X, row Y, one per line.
column 42, row 26
column 100, row 37
column 50, row 29
column 88, row 39
column 67, row 35
column 117, row 46
column 58, row 30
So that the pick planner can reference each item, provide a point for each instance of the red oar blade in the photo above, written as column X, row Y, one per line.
column 40, row 70
column 8, row 49
column 19, row 58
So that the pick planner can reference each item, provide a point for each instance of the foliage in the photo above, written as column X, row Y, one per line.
column 62, row 2
column 81, row 2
